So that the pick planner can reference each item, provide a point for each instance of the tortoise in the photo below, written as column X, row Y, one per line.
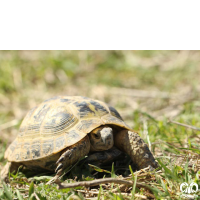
column 63, row 129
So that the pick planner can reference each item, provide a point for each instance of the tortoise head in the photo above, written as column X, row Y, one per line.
column 101, row 138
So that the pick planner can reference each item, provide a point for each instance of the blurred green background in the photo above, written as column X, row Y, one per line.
column 147, row 87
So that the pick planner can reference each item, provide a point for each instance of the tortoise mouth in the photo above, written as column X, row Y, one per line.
column 101, row 147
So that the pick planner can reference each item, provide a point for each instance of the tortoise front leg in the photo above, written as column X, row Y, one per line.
column 72, row 154
column 132, row 144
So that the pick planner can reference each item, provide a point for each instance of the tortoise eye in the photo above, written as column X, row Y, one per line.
column 97, row 136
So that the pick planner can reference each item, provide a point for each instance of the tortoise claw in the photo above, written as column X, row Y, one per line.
column 68, row 154
column 59, row 167
column 60, row 160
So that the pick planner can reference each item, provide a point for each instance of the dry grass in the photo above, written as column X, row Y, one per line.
column 148, row 88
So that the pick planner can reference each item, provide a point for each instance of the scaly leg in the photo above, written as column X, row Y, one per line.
column 70, row 156
column 132, row 144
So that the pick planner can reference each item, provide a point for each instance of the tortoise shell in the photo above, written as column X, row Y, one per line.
column 58, row 123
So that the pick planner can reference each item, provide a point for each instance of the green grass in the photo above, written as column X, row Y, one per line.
column 29, row 77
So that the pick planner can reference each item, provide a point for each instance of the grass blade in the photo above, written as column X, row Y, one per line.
column 98, row 169
column 8, row 194
column 113, row 175
column 131, row 172
column 19, row 196
column 134, row 186
column 31, row 189
column 99, row 195
column 165, row 168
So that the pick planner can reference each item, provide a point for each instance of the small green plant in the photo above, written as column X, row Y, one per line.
column 151, row 86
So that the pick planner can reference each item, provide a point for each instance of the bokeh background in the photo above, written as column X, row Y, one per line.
column 148, row 88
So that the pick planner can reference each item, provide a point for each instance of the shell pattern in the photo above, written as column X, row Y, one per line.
column 58, row 123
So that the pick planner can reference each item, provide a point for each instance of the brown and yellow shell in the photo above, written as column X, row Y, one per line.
column 58, row 123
